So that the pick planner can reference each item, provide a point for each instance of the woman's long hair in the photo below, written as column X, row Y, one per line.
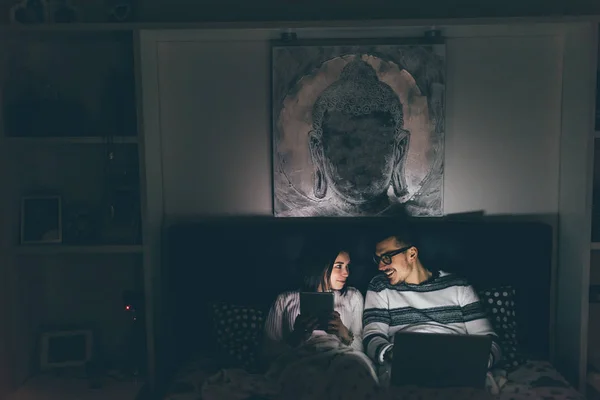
column 316, row 264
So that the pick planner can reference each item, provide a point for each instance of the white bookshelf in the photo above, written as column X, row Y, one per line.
column 593, row 343
column 87, row 70
column 593, row 381
column 73, row 140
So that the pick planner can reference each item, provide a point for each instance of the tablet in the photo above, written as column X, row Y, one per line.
column 319, row 305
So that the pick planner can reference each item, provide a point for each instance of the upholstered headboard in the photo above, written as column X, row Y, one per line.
column 251, row 260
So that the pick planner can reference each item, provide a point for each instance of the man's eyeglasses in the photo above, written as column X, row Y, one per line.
column 386, row 258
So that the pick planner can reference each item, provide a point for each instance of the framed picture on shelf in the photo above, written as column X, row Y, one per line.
column 66, row 348
column 41, row 219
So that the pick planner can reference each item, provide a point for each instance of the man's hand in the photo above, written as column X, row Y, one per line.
column 389, row 354
column 337, row 327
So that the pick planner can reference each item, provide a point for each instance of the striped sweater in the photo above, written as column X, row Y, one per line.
column 443, row 304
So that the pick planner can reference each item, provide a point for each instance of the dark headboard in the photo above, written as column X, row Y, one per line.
column 250, row 260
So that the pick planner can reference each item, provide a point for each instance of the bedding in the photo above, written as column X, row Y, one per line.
column 238, row 329
column 322, row 364
column 324, row 368
column 320, row 368
column 532, row 380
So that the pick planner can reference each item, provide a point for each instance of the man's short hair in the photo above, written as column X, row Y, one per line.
column 404, row 232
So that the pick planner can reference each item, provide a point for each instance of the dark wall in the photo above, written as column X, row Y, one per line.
column 291, row 10
column 286, row 10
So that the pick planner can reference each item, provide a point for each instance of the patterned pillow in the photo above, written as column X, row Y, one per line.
column 239, row 332
column 499, row 304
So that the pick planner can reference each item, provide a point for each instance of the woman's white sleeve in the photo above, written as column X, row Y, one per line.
column 356, row 326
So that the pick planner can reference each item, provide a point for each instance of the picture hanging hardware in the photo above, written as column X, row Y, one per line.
column 433, row 33
column 289, row 36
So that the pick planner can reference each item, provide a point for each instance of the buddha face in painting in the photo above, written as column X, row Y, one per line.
column 358, row 143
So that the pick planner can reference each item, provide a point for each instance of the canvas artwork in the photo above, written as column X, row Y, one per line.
column 358, row 128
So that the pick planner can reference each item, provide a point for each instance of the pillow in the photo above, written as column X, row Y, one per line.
column 499, row 304
column 238, row 330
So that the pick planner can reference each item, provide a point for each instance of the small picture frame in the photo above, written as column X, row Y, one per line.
column 41, row 220
column 66, row 348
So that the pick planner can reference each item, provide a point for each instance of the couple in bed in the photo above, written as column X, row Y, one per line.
column 404, row 296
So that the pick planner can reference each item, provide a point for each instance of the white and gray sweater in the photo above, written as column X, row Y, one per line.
column 443, row 304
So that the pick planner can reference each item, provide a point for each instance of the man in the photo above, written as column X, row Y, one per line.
column 407, row 296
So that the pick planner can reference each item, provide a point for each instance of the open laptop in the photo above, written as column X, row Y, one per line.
column 440, row 360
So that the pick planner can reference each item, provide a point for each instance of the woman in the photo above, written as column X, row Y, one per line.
column 315, row 362
column 324, row 270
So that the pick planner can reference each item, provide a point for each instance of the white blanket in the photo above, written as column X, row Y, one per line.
column 237, row 384
column 536, row 380
column 322, row 368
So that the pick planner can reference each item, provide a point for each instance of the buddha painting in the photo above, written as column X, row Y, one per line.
column 354, row 148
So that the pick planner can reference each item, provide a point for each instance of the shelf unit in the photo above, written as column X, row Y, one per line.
column 593, row 343
column 74, row 140
column 68, row 127
column 71, row 249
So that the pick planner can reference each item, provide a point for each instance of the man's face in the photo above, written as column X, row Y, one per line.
column 401, row 260
column 359, row 154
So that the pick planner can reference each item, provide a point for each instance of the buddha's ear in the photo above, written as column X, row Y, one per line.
column 400, row 152
column 315, row 146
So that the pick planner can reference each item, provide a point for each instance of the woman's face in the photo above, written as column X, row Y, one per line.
column 340, row 271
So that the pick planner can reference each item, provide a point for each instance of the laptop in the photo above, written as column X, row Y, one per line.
column 440, row 360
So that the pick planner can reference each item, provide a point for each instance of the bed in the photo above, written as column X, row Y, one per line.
column 222, row 274
column 533, row 380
